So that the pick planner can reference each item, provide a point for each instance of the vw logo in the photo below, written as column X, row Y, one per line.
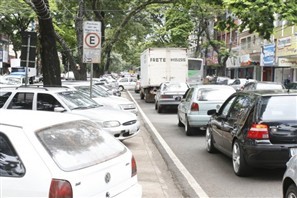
column 107, row 177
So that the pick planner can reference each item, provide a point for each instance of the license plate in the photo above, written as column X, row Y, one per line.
column 293, row 151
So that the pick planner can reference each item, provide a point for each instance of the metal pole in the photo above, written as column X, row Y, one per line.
column 91, row 80
column 27, row 60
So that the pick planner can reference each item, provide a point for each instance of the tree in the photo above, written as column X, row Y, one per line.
column 258, row 15
column 49, row 56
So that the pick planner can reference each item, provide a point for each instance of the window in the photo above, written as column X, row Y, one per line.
column 22, row 101
column 3, row 97
column 46, row 102
column 240, row 108
column 10, row 163
column 226, row 107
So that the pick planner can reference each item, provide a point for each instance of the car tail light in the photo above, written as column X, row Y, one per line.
column 133, row 167
column 258, row 131
column 60, row 189
column 195, row 106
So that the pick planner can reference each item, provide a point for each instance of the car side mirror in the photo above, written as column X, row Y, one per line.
column 59, row 109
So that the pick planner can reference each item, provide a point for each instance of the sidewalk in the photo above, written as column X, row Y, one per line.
column 152, row 171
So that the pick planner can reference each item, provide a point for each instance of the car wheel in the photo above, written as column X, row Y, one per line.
column 291, row 191
column 209, row 141
column 240, row 166
column 180, row 124
column 156, row 106
column 188, row 128
column 121, row 88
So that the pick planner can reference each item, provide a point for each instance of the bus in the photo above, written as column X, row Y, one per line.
column 195, row 71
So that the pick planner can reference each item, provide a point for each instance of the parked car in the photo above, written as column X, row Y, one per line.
column 169, row 95
column 192, row 111
column 238, row 83
column 137, row 87
column 260, row 85
column 289, row 181
column 126, row 83
column 255, row 128
column 121, row 124
column 292, row 85
column 101, row 96
column 46, row 154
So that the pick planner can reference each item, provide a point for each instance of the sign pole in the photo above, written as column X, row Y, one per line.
column 27, row 62
column 91, row 80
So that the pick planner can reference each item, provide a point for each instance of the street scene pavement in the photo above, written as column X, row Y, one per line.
column 153, row 173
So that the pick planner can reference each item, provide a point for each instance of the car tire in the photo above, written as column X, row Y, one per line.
column 156, row 106
column 240, row 166
column 180, row 124
column 121, row 88
column 188, row 128
column 209, row 142
column 291, row 191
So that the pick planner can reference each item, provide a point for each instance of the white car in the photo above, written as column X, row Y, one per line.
column 289, row 182
column 46, row 154
column 121, row 124
column 126, row 83
column 192, row 110
column 101, row 96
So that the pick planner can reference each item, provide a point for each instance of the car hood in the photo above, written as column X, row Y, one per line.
column 105, row 114
column 112, row 100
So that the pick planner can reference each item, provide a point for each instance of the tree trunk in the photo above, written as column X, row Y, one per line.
column 49, row 56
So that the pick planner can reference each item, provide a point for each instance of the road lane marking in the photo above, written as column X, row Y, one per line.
column 191, row 180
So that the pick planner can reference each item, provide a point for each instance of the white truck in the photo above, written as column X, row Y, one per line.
column 160, row 65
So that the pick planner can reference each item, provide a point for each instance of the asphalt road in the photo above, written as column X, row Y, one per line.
column 212, row 173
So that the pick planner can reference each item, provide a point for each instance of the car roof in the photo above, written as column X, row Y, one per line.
column 271, row 92
column 37, row 88
column 35, row 120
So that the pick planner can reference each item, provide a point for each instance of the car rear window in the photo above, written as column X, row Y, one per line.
column 279, row 108
column 214, row 94
column 80, row 144
column 175, row 87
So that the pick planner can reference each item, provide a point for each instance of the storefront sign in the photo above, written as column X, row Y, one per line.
column 286, row 46
column 287, row 62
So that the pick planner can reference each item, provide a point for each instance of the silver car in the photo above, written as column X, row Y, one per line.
column 289, row 183
column 169, row 95
column 121, row 124
column 192, row 111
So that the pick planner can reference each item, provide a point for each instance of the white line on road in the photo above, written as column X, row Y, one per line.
column 192, row 182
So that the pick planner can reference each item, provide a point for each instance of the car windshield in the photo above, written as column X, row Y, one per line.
column 95, row 92
column 175, row 87
column 279, row 108
column 214, row 94
column 80, row 144
column 77, row 100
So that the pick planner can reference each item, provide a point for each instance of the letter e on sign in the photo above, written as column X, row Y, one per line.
column 92, row 40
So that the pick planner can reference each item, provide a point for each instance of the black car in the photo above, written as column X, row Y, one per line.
column 255, row 129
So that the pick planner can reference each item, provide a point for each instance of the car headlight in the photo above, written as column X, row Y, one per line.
column 110, row 124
